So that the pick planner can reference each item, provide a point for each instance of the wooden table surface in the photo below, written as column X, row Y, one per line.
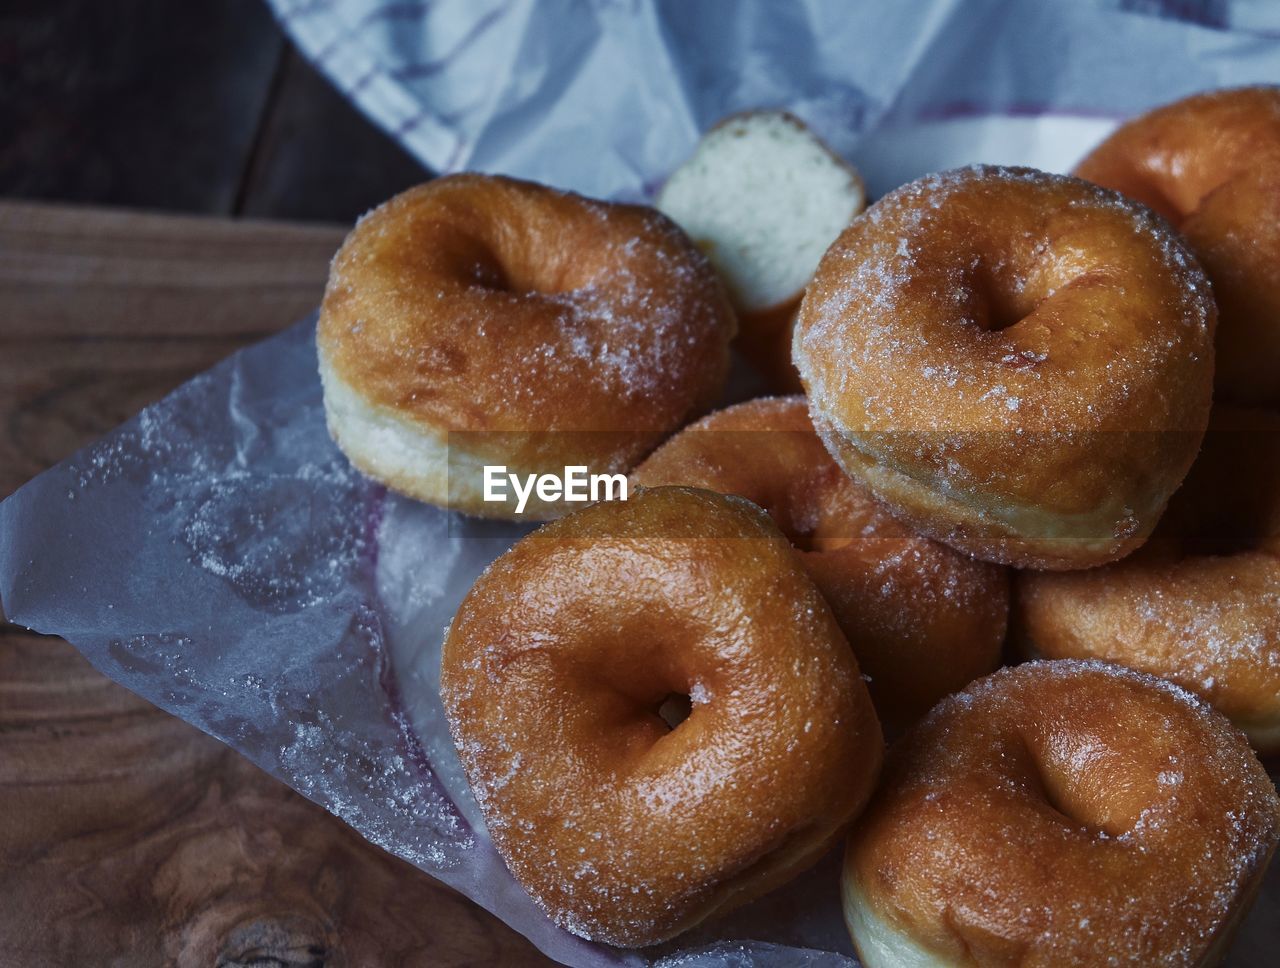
column 128, row 837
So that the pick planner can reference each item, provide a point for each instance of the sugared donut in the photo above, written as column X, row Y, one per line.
column 481, row 320
column 1211, row 165
column 558, row 672
column 1061, row 813
column 923, row 619
column 1200, row 602
column 1019, row 364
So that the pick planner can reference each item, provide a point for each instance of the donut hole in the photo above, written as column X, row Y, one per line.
column 813, row 537
column 1056, row 793
column 827, row 543
column 1001, row 309
column 640, row 691
column 495, row 275
column 475, row 260
column 801, row 539
column 834, row 531
column 501, row 267
column 787, row 502
column 1069, row 792
column 665, row 703
column 489, row 275
column 1001, row 300
column 675, row 709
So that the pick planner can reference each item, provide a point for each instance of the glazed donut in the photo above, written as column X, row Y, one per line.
column 1018, row 364
column 764, row 197
column 1200, row 603
column 1061, row 813
column 481, row 320
column 1211, row 165
column 923, row 620
column 623, row 823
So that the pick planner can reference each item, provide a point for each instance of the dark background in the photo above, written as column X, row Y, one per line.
column 175, row 105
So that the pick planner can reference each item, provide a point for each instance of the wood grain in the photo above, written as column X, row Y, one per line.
column 128, row 837
column 199, row 107
column 133, row 102
column 102, row 312
column 317, row 157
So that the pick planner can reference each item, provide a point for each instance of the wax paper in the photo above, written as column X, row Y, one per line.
column 217, row 554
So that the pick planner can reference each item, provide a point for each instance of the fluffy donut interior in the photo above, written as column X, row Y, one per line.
column 764, row 198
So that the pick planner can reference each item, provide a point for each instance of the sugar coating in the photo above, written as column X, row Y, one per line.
column 621, row 828
column 1209, row 625
column 1216, row 655
column 1211, row 164
column 1019, row 364
column 1069, row 807
column 573, row 314
column 857, row 334
column 903, row 601
column 625, row 329
column 1204, row 615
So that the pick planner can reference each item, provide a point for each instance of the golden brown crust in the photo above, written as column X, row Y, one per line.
column 923, row 619
column 1066, row 813
column 555, row 668
column 1200, row 603
column 1019, row 364
column 539, row 327
column 1211, row 165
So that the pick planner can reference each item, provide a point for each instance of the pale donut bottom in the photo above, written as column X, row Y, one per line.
column 882, row 944
column 413, row 460
column 1021, row 535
